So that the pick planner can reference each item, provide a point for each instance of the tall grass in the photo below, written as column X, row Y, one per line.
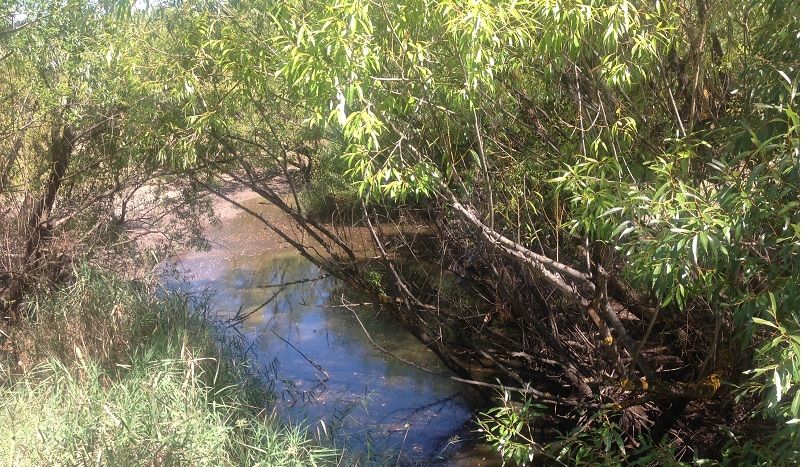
column 107, row 373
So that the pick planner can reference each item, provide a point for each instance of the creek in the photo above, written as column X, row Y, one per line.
column 315, row 356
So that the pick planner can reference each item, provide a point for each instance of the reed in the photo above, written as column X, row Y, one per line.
column 107, row 372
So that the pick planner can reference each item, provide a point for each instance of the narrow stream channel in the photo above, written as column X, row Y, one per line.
column 315, row 356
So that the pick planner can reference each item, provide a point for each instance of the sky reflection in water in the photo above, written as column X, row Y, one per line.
column 368, row 398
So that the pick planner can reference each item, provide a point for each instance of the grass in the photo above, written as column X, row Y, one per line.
column 107, row 373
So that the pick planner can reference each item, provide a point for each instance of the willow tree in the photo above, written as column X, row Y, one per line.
column 87, row 120
column 614, row 183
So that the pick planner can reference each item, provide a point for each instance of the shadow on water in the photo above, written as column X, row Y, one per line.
column 317, row 359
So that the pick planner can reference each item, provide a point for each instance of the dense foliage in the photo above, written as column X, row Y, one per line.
column 654, row 142
column 613, row 185
column 89, row 159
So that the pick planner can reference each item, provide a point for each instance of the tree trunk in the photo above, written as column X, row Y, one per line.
column 37, row 225
column 12, row 158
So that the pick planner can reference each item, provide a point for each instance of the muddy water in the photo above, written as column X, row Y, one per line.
column 315, row 355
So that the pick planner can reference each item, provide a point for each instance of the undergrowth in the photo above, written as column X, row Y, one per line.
column 108, row 373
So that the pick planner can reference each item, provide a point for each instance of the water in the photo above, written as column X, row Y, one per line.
column 317, row 358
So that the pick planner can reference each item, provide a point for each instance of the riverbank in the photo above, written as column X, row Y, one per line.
column 108, row 373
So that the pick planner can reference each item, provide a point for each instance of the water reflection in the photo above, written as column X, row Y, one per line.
column 318, row 359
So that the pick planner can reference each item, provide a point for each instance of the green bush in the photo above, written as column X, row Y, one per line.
column 329, row 196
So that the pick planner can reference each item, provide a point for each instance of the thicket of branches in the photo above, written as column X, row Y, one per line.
column 596, row 201
column 83, row 166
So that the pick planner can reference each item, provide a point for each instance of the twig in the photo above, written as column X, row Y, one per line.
column 300, row 281
column 315, row 365
column 528, row 390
